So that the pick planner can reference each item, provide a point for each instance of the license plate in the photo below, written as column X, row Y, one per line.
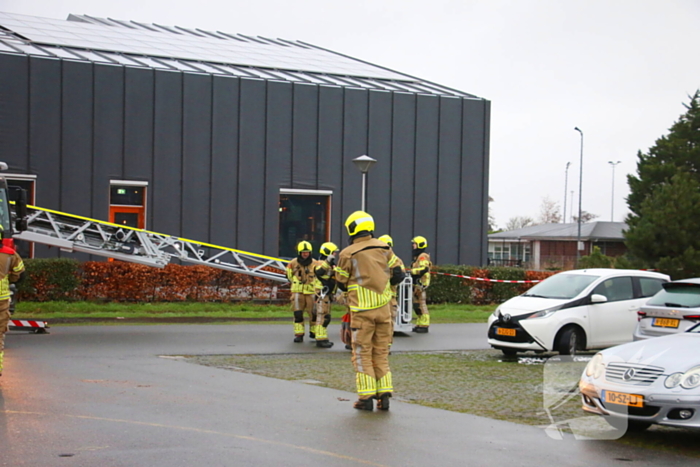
column 505, row 332
column 665, row 322
column 620, row 398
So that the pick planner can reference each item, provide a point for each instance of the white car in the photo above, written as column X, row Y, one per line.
column 654, row 381
column 574, row 310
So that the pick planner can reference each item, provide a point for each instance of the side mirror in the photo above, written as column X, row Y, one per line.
column 597, row 298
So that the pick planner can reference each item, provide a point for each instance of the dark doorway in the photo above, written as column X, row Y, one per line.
column 303, row 217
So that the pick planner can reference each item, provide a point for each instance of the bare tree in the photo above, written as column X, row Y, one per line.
column 518, row 222
column 549, row 211
column 492, row 219
column 586, row 217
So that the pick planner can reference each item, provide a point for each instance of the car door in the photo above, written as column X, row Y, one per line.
column 612, row 322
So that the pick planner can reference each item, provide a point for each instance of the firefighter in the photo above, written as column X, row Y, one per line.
column 325, row 287
column 11, row 270
column 394, row 297
column 367, row 269
column 420, row 271
column 300, row 272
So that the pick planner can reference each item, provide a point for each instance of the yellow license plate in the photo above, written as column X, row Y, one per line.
column 505, row 332
column 620, row 398
column 665, row 322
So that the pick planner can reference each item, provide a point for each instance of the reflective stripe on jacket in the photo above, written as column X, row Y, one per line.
column 423, row 261
column 364, row 267
column 302, row 277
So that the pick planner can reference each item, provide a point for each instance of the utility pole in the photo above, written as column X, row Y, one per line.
column 612, row 195
column 566, row 183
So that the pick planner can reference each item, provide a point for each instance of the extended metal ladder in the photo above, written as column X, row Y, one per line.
column 82, row 234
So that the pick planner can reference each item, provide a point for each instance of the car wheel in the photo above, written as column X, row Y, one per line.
column 509, row 352
column 569, row 341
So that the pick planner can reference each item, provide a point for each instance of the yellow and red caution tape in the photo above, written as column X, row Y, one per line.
column 484, row 279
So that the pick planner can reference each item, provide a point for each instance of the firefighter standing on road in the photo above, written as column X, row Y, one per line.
column 420, row 270
column 325, row 287
column 11, row 270
column 300, row 272
column 367, row 269
column 394, row 300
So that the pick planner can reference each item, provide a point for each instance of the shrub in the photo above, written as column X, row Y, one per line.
column 50, row 279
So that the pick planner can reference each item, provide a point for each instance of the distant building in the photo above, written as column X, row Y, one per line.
column 240, row 141
column 552, row 246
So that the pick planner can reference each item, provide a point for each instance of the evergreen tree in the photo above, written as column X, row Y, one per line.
column 666, row 233
column 677, row 151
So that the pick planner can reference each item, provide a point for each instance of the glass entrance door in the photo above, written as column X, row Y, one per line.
column 303, row 217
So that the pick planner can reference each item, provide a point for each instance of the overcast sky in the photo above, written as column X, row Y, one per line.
column 620, row 70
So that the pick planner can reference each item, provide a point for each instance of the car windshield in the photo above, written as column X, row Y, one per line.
column 561, row 286
column 677, row 296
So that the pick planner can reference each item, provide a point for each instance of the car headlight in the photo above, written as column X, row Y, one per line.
column 543, row 313
column 691, row 378
column 497, row 312
column 688, row 380
column 595, row 367
column 673, row 380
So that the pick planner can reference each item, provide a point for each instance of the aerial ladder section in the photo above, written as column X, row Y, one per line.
column 73, row 233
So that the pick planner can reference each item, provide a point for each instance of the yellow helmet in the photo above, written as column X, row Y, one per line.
column 420, row 242
column 328, row 248
column 359, row 221
column 387, row 239
column 304, row 246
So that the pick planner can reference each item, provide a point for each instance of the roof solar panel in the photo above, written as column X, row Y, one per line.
column 187, row 44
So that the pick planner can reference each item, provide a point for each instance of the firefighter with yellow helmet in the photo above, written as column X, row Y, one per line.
column 394, row 298
column 11, row 270
column 300, row 272
column 420, row 271
column 367, row 269
column 325, row 288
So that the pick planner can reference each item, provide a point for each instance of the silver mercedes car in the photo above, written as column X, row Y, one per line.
column 654, row 381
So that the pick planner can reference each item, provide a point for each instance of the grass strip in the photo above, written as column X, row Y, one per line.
column 444, row 313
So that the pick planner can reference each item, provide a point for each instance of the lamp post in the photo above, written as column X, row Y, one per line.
column 566, row 183
column 364, row 163
column 580, row 192
column 612, row 195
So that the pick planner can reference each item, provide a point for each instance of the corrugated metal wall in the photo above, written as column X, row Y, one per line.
column 216, row 150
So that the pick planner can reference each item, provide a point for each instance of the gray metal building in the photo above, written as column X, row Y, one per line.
column 240, row 141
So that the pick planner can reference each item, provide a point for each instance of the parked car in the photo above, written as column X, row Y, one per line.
column 654, row 381
column 673, row 309
column 574, row 310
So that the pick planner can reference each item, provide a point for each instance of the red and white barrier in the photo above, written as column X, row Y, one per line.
column 27, row 325
column 483, row 279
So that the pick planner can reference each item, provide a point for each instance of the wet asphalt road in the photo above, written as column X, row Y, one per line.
column 108, row 396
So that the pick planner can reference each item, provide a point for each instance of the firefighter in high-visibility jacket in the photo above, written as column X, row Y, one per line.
column 11, row 270
column 367, row 269
column 420, row 271
column 300, row 272
column 325, row 288
column 394, row 293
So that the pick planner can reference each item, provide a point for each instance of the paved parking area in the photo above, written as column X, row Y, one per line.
column 105, row 395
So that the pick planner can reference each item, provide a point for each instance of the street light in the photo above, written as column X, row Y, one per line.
column 612, row 196
column 364, row 163
column 580, row 192
column 566, row 183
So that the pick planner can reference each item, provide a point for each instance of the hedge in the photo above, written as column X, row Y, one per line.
column 447, row 289
column 68, row 279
